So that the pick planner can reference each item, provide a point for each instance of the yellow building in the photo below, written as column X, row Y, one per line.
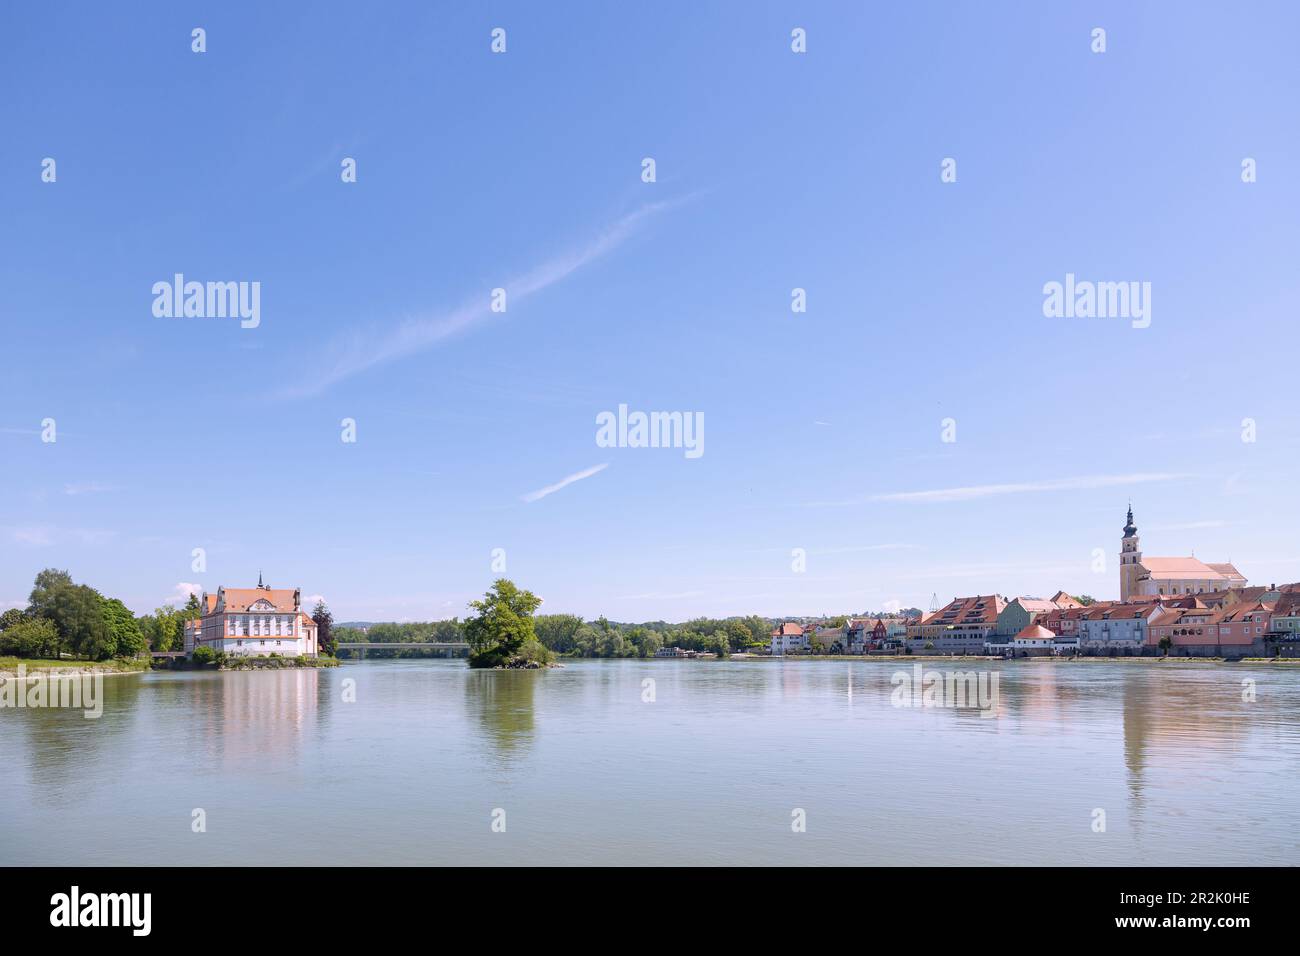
column 1141, row 576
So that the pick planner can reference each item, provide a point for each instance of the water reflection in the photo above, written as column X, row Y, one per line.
column 239, row 717
column 504, row 704
column 57, row 743
column 277, row 759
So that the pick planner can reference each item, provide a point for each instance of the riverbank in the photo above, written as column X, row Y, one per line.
column 273, row 663
column 36, row 667
column 897, row 658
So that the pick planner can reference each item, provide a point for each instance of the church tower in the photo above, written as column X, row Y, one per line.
column 1130, row 560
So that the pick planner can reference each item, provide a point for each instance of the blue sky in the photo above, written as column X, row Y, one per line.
column 774, row 170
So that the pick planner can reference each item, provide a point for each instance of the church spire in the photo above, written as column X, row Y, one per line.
column 259, row 573
column 1130, row 529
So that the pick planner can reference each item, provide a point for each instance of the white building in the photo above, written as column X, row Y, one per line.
column 789, row 638
column 255, row 622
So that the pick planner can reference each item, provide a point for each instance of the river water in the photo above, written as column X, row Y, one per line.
column 715, row 762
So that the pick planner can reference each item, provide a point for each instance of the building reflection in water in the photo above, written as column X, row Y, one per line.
column 254, row 717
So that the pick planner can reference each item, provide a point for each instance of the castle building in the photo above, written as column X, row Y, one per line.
column 255, row 622
column 1143, row 577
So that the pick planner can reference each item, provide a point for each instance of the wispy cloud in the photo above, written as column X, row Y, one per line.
column 35, row 537
column 85, row 488
column 355, row 353
column 563, row 482
column 44, row 536
column 973, row 492
column 851, row 549
column 659, row 595
column 1188, row 526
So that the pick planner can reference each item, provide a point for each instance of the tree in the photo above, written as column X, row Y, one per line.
column 325, row 641
column 44, row 589
column 558, row 631
column 502, row 626
column 1166, row 642
column 49, row 584
column 31, row 637
column 585, row 640
column 164, row 629
column 760, row 629
column 1087, row 600
column 76, row 611
column 738, row 635
column 11, row 618
column 124, row 637
column 610, row 642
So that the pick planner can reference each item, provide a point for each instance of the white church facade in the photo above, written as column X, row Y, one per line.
column 1141, row 576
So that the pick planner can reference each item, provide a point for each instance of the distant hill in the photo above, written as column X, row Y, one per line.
column 357, row 624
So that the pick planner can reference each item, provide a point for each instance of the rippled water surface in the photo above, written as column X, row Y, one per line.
column 710, row 771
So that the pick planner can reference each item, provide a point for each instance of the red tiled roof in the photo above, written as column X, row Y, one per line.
column 1035, row 632
column 241, row 599
column 969, row 611
column 1193, row 568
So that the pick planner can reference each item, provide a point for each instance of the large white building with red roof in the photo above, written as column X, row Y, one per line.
column 789, row 637
column 1143, row 577
column 255, row 622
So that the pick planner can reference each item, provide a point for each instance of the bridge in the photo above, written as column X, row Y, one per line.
column 169, row 655
column 452, row 648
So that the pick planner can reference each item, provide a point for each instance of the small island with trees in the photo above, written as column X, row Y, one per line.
column 502, row 634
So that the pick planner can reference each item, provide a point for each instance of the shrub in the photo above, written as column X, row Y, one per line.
column 203, row 655
column 33, row 637
column 535, row 651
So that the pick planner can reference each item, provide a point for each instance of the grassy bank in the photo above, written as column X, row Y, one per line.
column 274, row 663
column 135, row 665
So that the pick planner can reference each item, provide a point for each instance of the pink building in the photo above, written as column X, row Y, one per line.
column 256, row 622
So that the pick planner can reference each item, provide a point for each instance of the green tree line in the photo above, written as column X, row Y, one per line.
column 569, row 635
column 66, row 619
